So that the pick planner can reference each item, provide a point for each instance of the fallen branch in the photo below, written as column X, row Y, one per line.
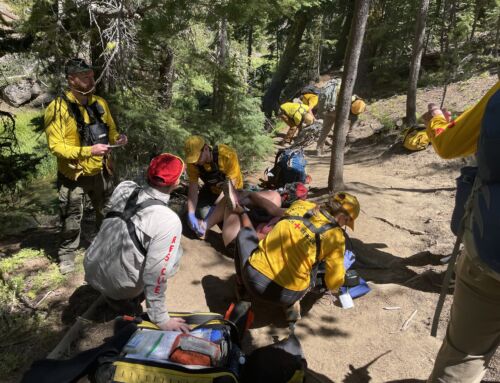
column 43, row 298
column 71, row 335
column 411, row 231
column 407, row 322
column 10, row 15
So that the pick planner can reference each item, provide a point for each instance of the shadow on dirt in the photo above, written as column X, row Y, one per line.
column 317, row 194
column 379, row 266
column 81, row 299
column 219, row 294
column 361, row 374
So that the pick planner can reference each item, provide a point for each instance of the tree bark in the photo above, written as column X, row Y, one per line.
column 497, row 40
column 219, row 86
column 270, row 100
column 356, row 36
column 340, row 47
column 166, row 76
column 418, row 45
column 249, row 49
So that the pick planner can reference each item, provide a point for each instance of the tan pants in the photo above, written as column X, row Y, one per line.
column 473, row 333
column 291, row 133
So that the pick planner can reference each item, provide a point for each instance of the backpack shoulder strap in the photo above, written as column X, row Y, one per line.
column 75, row 112
column 306, row 220
column 131, row 209
column 215, row 158
column 95, row 111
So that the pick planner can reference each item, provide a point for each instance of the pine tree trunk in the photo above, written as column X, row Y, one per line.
column 342, row 40
column 249, row 50
column 356, row 35
column 270, row 100
column 95, row 54
column 219, row 86
column 166, row 75
column 59, row 36
column 497, row 41
column 474, row 23
column 316, row 41
column 418, row 45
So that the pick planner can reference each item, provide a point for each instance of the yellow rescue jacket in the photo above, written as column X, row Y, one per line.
column 459, row 137
column 228, row 164
column 295, row 111
column 310, row 99
column 74, row 160
column 288, row 252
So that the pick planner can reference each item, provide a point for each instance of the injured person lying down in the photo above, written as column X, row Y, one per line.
column 277, row 268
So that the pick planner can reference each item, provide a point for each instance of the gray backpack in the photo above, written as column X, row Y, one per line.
column 328, row 96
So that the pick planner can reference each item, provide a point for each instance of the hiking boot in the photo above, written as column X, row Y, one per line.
column 292, row 313
column 66, row 267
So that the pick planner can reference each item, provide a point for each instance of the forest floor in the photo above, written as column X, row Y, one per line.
column 401, row 235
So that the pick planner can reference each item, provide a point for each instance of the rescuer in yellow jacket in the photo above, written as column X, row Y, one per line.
column 310, row 99
column 473, row 332
column 278, row 268
column 295, row 115
column 212, row 165
column 79, row 130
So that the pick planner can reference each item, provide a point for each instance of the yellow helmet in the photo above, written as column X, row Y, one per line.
column 358, row 106
column 192, row 148
column 349, row 203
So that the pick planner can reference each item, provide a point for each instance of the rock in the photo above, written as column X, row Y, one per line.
column 36, row 90
column 42, row 100
column 17, row 94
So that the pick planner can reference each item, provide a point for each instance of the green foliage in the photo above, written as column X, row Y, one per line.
column 20, row 154
column 10, row 264
column 32, row 139
column 25, row 337
column 29, row 274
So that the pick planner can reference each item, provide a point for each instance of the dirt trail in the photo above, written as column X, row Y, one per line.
column 402, row 232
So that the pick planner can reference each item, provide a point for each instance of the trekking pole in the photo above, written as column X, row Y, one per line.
column 64, row 344
column 446, row 281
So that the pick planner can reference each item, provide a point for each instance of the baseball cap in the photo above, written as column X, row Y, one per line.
column 349, row 203
column 192, row 148
column 76, row 65
column 165, row 170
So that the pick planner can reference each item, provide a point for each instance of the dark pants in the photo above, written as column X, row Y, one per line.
column 71, row 197
column 254, row 281
column 206, row 199
column 130, row 307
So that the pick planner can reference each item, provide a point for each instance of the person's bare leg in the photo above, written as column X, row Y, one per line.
column 231, row 226
column 217, row 214
column 269, row 200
